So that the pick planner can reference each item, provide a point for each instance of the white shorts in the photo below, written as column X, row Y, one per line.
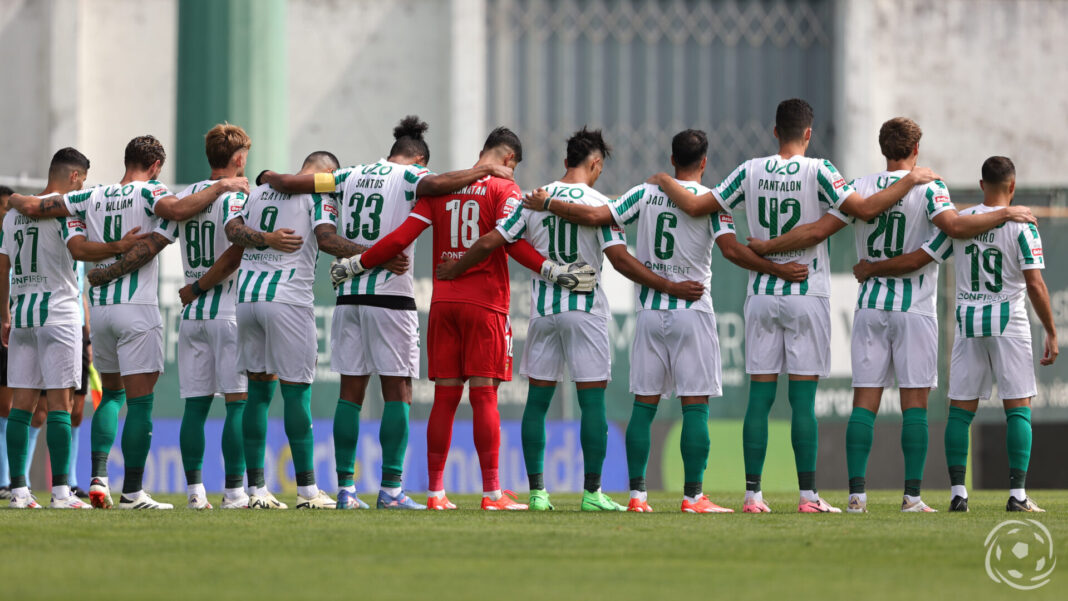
column 788, row 334
column 977, row 362
column 45, row 357
column 374, row 340
column 279, row 339
column 127, row 339
column 207, row 358
column 575, row 338
column 676, row 351
column 889, row 343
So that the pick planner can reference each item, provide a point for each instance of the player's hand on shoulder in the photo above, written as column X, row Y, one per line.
column 922, row 175
column 1049, row 354
column 758, row 246
column 793, row 272
column 502, row 172
column 862, row 270
column 447, row 270
column 398, row 265
column 535, row 200
column 1020, row 214
column 657, row 178
column 688, row 290
column 264, row 176
column 233, row 184
column 285, row 240
column 186, row 294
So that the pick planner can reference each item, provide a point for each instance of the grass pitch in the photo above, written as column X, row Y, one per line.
column 565, row 554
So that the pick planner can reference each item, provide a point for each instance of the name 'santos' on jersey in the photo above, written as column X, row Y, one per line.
column 564, row 242
column 778, row 195
column 202, row 239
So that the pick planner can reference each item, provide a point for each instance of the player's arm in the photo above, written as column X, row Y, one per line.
column 632, row 269
column 224, row 267
column 82, row 249
column 744, row 257
column 889, row 268
column 692, row 204
column 242, row 235
column 802, row 236
column 479, row 252
column 382, row 251
column 956, row 225
column 868, row 208
column 439, row 184
column 38, row 208
column 1039, row 295
column 309, row 183
column 179, row 209
column 141, row 253
column 579, row 214
column 5, row 291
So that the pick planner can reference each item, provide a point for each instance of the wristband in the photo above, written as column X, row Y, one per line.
column 197, row 290
column 548, row 201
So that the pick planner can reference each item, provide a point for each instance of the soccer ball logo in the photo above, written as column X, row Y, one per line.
column 1020, row 554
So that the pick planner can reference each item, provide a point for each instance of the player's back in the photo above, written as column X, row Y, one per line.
column 107, row 213
column 991, row 289
column 43, row 280
column 778, row 195
column 901, row 229
column 373, row 200
column 203, row 241
column 272, row 275
column 459, row 220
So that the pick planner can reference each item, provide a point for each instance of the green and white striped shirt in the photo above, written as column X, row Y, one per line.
column 203, row 241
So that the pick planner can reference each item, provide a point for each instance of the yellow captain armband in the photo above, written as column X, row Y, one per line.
column 324, row 182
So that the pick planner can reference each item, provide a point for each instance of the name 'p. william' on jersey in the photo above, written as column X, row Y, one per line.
column 564, row 242
column 104, row 214
column 991, row 289
column 269, row 275
column 672, row 244
column 903, row 228
column 44, row 279
column 778, row 195
column 373, row 200
column 203, row 240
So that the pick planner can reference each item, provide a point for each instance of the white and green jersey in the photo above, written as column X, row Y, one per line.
column 778, row 195
column 274, row 276
column 672, row 244
column 373, row 200
column 564, row 242
column 43, row 276
column 901, row 229
column 203, row 241
column 104, row 214
column 991, row 290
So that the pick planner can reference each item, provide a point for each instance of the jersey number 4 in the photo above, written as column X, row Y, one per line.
column 463, row 222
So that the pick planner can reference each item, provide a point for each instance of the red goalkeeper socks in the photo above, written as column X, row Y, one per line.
column 487, row 430
column 439, row 431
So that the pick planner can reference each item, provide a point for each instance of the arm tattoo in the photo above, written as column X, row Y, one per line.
column 330, row 242
column 141, row 253
column 239, row 233
column 53, row 206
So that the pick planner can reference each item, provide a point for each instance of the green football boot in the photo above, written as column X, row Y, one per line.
column 598, row 501
column 539, row 501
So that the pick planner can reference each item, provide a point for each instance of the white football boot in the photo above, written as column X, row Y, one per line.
column 265, row 501
column 319, row 501
column 141, row 500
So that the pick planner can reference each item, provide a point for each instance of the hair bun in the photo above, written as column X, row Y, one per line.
column 410, row 127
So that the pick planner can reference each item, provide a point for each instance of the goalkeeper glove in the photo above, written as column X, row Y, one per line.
column 577, row 277
column 345, row 269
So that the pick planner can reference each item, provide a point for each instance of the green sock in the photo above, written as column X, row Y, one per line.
column 859, row 434
column 914, row 446
column 694, row 445
column 233, row 449
column 958, row 427
column 804, row 431
column 102, row 430
column 639, row 440
column 58, row 439
column 1018, row 441
column 755, row 431
column 393, row 436
column 298, row 426
column 191, row 436
column 254, row 428
column 18, row 441
column 532, row 431
column 593, row 434
column 136, row 440
column 346, row 434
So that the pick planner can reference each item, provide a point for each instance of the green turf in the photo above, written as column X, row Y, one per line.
column 665, row 556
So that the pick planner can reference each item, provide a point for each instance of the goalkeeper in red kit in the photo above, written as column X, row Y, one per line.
column 469, row 336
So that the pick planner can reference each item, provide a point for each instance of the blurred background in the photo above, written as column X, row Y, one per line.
column 981, row 77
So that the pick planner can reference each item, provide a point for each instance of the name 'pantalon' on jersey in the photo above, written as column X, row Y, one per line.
column 43, row 277
column 373, row 200
column 104, row 214
column 903, row 228
column 991, row 290
column 672, row 244
column 778, row 195
column 274, row 276
column 203, row 240
column 564, row 242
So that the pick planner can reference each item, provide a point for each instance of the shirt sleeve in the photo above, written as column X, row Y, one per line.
column 514, row 224
column 168, row 229
column 611, row 235
column 730, row 192
column 324, row 210
column 423, row 211
column 937, row 197
column 4, row 250
column 233, row 206
column 151, row 192
column 77, row 201
column 1030, row 248
column 722, row 223
column 832, row 189
column 939, row 246
column 626, row 208
column 71, row 227
column 413, row 174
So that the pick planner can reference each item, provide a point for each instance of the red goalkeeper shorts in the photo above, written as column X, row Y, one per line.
column 466, row 341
